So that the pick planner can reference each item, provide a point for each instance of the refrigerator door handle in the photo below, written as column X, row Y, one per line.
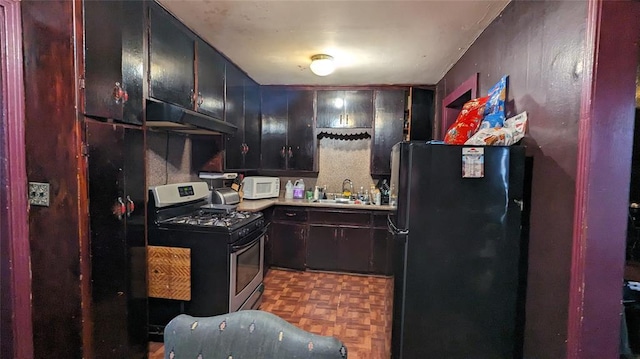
column 519, row 203
column 395, row 230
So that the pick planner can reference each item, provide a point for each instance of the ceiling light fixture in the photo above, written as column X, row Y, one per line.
column 322, row 65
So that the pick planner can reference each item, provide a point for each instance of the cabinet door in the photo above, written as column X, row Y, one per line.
column 234, row 114
column 330, row 109
column 322, row 248
column 344, row 109
column 133, row 34
column 274, row 127
column 171, row 56
column 135, row 187
column 354, row 249
column 108, row 247
column 300, row 140
column 382, row 252
column 103, row 59
column 287, row 245
column 358, row 109
column 389, row 118
column 118, row 254
column 252, row 126
column 211, row 70
column 422, row 114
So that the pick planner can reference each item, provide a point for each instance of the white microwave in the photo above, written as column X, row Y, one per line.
column 258, row 187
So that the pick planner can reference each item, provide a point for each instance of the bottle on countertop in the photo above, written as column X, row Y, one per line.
column 383, row 186
column 288, row 190
column 393, row 196
column 298, row 189
column 377, row 199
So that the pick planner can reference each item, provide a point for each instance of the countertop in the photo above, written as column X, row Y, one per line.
column 254, row 205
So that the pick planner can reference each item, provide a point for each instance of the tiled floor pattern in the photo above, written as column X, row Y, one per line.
column 356, row 309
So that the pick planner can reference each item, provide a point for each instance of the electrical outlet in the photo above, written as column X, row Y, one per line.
column 39, row 194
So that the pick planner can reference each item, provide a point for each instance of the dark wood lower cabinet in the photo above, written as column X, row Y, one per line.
column 354, row 249
column 330, row 239
column 382, row 245
column 322, row 248
column 339, row 249
column 382, row 252
column 287, row 245
column 118, row 304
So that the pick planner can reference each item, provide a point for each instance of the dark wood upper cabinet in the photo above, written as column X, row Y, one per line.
column 388, row 123
column 242, row 150
column 300, row 141
column 252, row 128
column 234, row 114
column 344, row 108
column 287, row 129
column 114, row 35
column 171, row 58
column 210, row 73
column 422, row 114
column 274, row 127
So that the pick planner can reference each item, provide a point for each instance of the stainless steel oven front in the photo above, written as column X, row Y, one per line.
column 246, row 273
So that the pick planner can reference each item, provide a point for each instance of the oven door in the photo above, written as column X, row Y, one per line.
column 246, row 272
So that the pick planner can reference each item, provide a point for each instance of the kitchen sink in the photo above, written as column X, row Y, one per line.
column 338, row 201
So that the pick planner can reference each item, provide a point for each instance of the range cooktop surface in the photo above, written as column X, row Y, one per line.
column 208, row 218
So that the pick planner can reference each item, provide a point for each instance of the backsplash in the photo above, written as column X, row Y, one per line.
column 337, row 161
column 168, row 158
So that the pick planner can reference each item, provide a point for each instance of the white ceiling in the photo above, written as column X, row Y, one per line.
column 373, row 42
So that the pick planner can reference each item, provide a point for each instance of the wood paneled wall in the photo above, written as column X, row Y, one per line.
column 545, row 49
column 53, row 155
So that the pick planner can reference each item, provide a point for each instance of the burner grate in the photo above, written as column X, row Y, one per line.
column 211, row 218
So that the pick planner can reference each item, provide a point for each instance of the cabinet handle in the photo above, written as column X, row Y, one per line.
column 200, row 99
column 288, row 214
column 346, row 122
column 119, row 94
column 246, row 148
column 290, row 152
column 118, row 208
column 192, row 97
column 130, row 206
column 340, row 120
column 282, row 152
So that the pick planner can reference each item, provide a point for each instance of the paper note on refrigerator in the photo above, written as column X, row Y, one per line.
column 472, row 162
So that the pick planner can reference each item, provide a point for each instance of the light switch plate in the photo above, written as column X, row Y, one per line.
column 39, row 194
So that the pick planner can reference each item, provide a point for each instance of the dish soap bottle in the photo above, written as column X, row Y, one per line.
column 288, row 190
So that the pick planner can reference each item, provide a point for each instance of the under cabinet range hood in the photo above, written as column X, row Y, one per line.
column 175, row 118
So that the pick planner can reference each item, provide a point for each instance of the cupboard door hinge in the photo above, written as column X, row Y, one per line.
column 81, row 83
column 85, row 150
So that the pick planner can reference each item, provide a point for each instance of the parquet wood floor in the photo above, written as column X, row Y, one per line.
column 354, row 308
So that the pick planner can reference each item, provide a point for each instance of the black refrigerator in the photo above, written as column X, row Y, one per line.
column 457, row 250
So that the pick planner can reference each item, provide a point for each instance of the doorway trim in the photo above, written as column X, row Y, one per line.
column 602, row 180
column 14, row 216
column 453, row 102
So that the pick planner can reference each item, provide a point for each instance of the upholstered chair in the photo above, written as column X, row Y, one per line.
column 247, row 334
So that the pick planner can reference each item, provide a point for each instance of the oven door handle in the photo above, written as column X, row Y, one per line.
column 248, row 242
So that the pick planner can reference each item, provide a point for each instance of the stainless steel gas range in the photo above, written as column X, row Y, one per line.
column 225, row 249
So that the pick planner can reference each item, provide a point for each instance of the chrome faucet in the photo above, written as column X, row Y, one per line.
column 347, row 188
